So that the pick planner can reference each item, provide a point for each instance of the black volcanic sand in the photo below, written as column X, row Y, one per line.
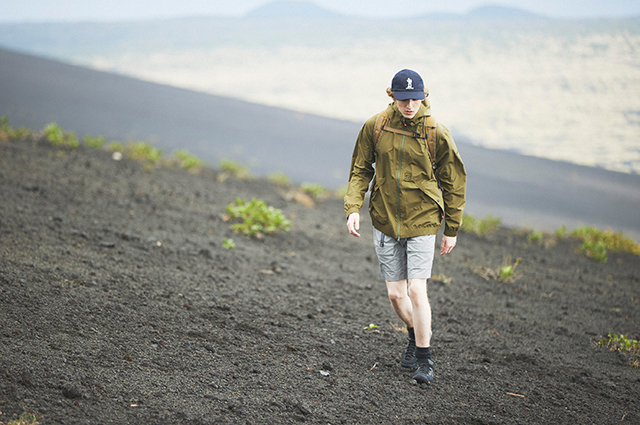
column 120, row 305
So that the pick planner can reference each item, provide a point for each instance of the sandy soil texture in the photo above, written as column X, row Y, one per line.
column 119, row 304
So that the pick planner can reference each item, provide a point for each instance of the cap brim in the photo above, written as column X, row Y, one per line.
column 405, row 95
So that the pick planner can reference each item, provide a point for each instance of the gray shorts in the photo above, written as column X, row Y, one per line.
column 409, row 258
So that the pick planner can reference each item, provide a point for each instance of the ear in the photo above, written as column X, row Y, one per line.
column 426, row 92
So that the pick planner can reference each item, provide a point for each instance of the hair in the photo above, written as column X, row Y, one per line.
column 390, row 93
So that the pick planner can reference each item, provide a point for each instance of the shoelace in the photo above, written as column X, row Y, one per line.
column 410, row 349
column 425, row 367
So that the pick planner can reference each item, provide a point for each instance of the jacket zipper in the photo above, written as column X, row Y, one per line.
column 398, row 185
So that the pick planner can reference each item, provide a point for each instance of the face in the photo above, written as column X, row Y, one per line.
column 408, row 108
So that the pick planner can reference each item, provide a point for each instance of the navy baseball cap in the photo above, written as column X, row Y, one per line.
column 407, row 84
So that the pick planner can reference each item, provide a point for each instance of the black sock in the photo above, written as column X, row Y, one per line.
column 412, row 335
column 423, row 353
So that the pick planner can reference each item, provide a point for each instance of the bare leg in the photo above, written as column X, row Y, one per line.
column 421, row 311
column 400, row 301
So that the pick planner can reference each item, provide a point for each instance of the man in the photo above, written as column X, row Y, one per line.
column 411, row 194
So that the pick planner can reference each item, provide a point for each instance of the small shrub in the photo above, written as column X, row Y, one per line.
column 480, row 227
column 115, row 146
column 507, row 272
column 228, row 243
column 188, row 162
column 279, row 178
column 623, row 343
column 143, row 151
column 60, row 138
column 25, row 419
column 234, row 169
column 561, row 232
column 596, row 250
column 313, row 189
column 256, row 217
column 94, row 142
column 9, row 133
column 596, row 243
column 534, row 237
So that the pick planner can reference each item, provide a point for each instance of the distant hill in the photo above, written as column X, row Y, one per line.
column 296, row 9
column 501, row 12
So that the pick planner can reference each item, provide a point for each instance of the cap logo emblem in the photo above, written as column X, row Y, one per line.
column 409, row 84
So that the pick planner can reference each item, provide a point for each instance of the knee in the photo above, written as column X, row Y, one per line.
column 397, row 294
column 418, row 293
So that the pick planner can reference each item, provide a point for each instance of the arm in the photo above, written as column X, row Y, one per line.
column 453, row 179
column 360, row 175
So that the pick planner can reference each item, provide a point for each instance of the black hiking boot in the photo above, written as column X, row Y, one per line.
column 424, row 371
column 408, row 358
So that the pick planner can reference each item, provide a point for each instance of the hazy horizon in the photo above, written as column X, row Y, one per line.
column 12, row 11
column 562, row 90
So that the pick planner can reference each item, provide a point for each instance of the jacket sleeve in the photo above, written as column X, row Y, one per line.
column 361, row 171
column 453, row 179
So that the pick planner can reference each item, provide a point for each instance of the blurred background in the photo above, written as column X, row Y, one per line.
column 546, row 79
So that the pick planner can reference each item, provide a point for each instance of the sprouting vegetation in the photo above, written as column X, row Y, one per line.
column 482, row 226
column 279, row 178
column 94, row 142
column 24, row 419
column 315, row 190
column 233, row 169
column 624, row 344
column 507, row 272
column 535, row 237
column 58, row 137
column 561, row 232
column 597, row 243
column 9, row 133
column 256, row 217
column 188, row 162
column 228, row 243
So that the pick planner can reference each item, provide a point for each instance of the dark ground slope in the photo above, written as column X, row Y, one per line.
column 118, row 304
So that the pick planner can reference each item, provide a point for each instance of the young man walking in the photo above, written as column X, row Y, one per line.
column 419, row 180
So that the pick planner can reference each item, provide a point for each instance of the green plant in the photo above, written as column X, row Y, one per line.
column 596, row 243
column 596, row 250
column 143, row 151
column 622, row 343
column 256, row 217
column 313, row 189
column 561, row 232
column 535, row 237
column 234, row 169
column 58, row 137
column 228, row 243
column 507, row 272
column 279, row 178
column 482, row 226
column 9, row 133
column 25, row 419
column 187, row 161
column 115, row 146
column 94, row 142
column 370, row 327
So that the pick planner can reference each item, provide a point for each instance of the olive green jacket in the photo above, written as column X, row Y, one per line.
column 405, row 199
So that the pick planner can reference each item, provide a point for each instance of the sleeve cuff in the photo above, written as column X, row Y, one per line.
column 449, row 231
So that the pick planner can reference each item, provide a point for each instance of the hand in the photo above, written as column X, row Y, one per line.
column 448, row 242
column 353, row 224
